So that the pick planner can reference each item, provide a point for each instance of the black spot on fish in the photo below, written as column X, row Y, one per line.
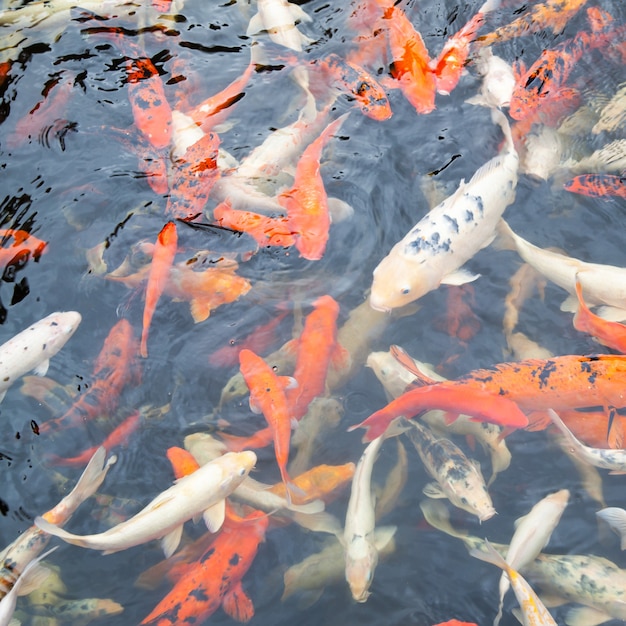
column 453, row 222
column 234, row 560
column 199, row 594
column 544, row 374
column 469, row 216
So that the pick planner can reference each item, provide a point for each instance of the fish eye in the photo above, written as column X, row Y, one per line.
column 242, row 471
column 464, row 500
column 405, row 291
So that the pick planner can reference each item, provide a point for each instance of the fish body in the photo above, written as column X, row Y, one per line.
column 32, row 349
column 202, row 492
column 306, row 202
column 458, row 479
column 279, row 19
column 613, row 114
column 24, row 246
column 498, row 80
column 598, row 185
column 450, row 234
column 215, row 579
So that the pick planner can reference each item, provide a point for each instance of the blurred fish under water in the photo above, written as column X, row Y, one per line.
column 269, row 223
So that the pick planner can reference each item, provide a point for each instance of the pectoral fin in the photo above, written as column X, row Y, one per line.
column 433, row 490
column 170, row 542
column 586, row 616
column 214, row 516
column 200, row 309
column 459, row 277
column 42, row 368
column 237, row 604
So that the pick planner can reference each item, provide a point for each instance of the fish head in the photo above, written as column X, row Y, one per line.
column 361, row 561
column 399, row 280
column 62, row 325
column 235, row 467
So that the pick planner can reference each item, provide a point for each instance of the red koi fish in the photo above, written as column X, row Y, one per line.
column 598, row 185
column 566, row 382
column 266, row 231
column 410, row 60
column 460, row 321
column 547, row 76
column 24, row 247
column 611, row 334
column 455, row 622
column 369, row 95
column 162, row 261
column 317, row 346
column 193, row 177
column 118, row 437
column 215, row 579
column 183, row 462
column 115, row 366
column 450, row 63
column 267, row 395
column 306, row 202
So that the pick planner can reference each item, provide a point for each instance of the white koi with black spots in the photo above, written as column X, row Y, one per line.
column 450, row 234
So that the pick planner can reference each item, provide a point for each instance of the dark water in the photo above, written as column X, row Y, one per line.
column 74, row 184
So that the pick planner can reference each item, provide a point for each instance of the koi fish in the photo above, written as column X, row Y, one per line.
column 29, row 545
column 498, row 80
column 545, row 78
column 215, row 579
column 597, row 185
column 450, row 234
column 613, row 115
column 552, row 14
column 33, row 348
column 202, row 492
column 266, row 231
column 193, row 177
column 602, row 284
column 455, row 622
column 24, row 247
column 410, row 65
column 306, row 202
column 162, row 260
column 183, row 462
column 114, row 367
column 533, row 613
column 267, row 395
column 279, row 18
column 609, row 158
column 611, row 334
column 457, row 478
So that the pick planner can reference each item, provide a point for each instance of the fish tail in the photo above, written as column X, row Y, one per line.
column 375, row 426
column 500, row 119
column 52, row 529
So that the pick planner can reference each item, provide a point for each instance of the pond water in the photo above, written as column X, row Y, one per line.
column 72, row 179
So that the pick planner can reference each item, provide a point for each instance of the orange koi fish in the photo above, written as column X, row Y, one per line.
column 24, row 247
column 552, row 14
column 306, row 202
column 455, row 622
column 547, row 76
column 114, row 367
column 316, row 347
column 260, row 439
column 608, row 333
column 119, row 436
column 566, row 382
column 215, row 579
column 369, row 95
column 460, row 321
column 267, row 395
column 183, row 462
column 598, row 185
column 193, row 177
column 450, row 63
column 162, row 261
column 410, row 60
column 266, row 231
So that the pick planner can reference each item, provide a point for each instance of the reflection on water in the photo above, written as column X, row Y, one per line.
column 75, row 175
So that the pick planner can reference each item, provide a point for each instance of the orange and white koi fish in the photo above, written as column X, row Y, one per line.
column 546, row 77
column 114, row 367
column 215, row 579
column 202, row 492
column 33, row 348
column 598, row 185
column 306, row 202
column 24, row 247
column 552, row 14
column 267, row 395
column 162, row 261
column 608, row 333
column 193, row 177
column 410, row 65
column 279, row 18
column 450, row 234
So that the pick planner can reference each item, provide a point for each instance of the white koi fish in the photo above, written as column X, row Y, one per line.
column 601, row 284
column 450, row 234
column 32, row 349
column 616, row 519
column 498, row 80
column 532, row 533
column 279, row 18
column 614, row 460
column 202, row 492
column 613, row 115
column 533, row 612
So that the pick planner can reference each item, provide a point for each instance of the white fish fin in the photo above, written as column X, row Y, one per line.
column 491, row 556
column 570, row 304
column 500, row 119
column 433, row 490
column 2, row 394
column 288, row 382
column 214, row 516
column 616, row 519
column 254, row 407
column 298, row 13
column 310, row 508
column 383, row 535
column 306, row 597
column 255, row 26
column 42, row 368
column 34, row 579
column 339, row 210
column 478, row 100
column 505, row 236
column 517, row 613
column 586, row 616
column 51, row 529
column 93, row 475
column 321, row 522
column 170, row 542
column 611, row 313
column 550, row 601
column 459, row 277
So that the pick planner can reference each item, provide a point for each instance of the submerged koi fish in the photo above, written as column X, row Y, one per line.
column 162, row 260
column 279, row 18
column 215, row 579
column 306, row 202
column 597, row 185
column 24, row 247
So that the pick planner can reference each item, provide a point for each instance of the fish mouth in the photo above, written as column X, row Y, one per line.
column 487, row 515
column 379, row 307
